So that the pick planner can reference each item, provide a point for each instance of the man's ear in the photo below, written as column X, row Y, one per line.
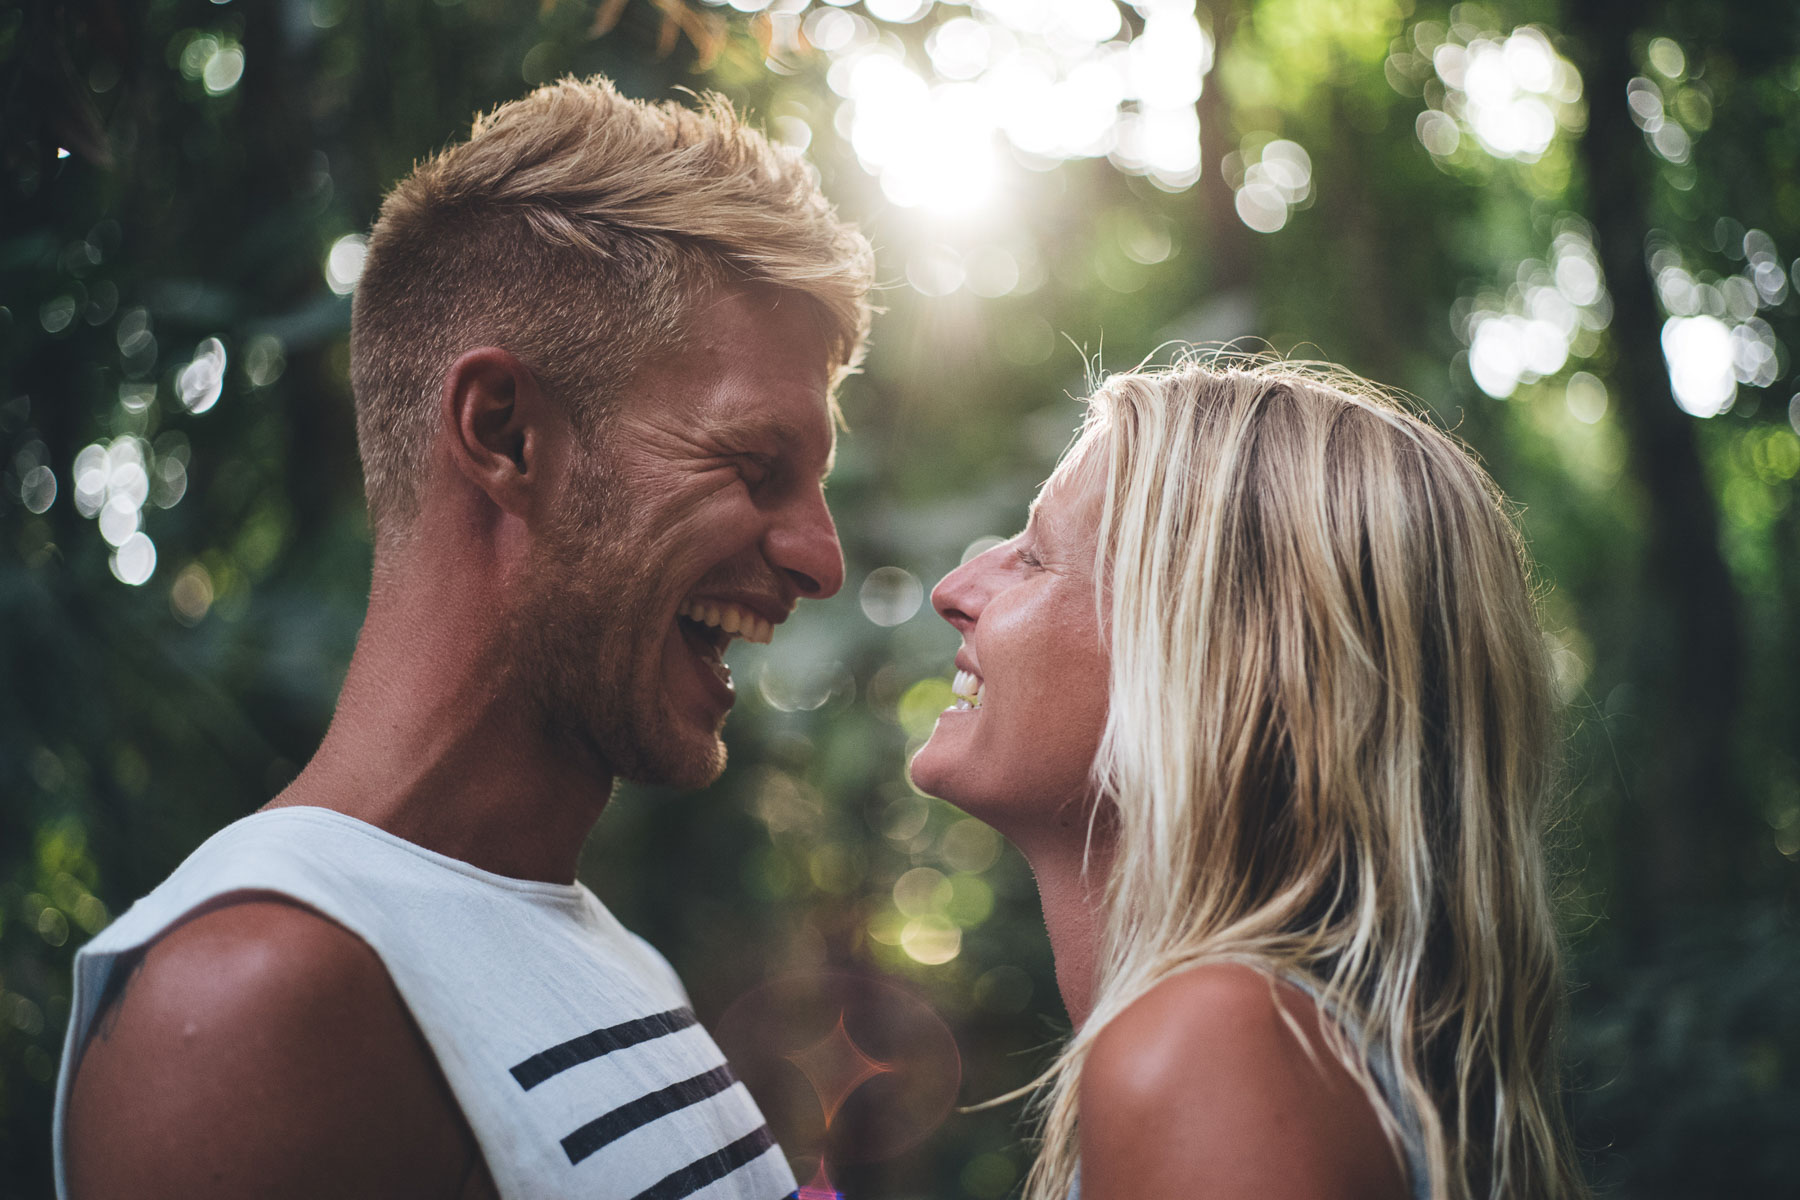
column 498, row 426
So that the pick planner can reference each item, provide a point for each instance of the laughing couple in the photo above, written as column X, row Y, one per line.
column 1258, row 692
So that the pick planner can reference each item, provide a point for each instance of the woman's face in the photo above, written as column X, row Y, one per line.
column 1032, row 672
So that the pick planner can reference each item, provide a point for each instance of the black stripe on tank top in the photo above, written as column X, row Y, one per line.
column 645, row 1109
column 713, row 1167
column 600, row 1042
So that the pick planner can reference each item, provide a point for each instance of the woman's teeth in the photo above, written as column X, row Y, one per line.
column 968, row 689
column 731, row 618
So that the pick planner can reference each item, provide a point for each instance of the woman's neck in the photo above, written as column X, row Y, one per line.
column 1071, row 883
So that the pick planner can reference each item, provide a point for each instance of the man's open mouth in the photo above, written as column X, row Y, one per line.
column 726, row 621
column 708, row 626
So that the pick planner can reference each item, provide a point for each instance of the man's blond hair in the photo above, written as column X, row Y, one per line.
column 579, row 229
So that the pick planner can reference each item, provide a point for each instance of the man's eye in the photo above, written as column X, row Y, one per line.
column 754, row 468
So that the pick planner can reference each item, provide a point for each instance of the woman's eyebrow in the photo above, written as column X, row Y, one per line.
column 1043, row 527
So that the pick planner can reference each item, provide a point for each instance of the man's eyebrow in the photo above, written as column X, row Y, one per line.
column 789, row 436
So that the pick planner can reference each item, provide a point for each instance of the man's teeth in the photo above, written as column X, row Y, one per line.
column 732, row 618
column 968, row 689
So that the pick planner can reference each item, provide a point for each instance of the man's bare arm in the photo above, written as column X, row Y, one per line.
column 261, row 1050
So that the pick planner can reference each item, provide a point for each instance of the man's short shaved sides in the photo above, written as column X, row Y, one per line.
column 578, row 229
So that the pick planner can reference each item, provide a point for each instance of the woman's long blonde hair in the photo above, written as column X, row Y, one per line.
column 1330, row 745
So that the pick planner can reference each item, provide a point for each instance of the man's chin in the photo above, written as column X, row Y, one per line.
column 685, row 763
column 687, row 775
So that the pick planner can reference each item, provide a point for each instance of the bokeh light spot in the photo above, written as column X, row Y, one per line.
column 344, row 263
column 222, row 70
column 935, row 270
column 922, row 891
column 989, row 1176
column 203, row 379
column 899, row 12
column 969, row 845
column 971, row 901
column 920, row 705
column 1277, row 178
column 905, row 818
column 56, row 314
column 1512, row 92
column 265, row 360
column 992, row 271
column 191, row 595
column 135, row 560
column 1698, row 350
column 931, row 940
column 1667, row 57
column 119, row 519
column 891, row 596
column 37, row 489
column 800, row 680
column 1586, row 397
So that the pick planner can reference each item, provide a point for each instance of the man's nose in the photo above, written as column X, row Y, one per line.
column 803, row 544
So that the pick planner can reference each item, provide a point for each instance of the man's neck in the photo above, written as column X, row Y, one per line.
column 435, row 740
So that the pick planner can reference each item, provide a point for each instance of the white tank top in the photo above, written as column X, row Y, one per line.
column 567, row 1041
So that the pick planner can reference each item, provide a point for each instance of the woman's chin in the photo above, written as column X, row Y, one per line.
column 943, row 767
column 947, row 773
column 929, row 772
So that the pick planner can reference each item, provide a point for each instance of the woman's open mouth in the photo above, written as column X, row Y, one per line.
column 968, row 689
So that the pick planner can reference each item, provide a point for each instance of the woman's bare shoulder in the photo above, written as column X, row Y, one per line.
column 1218, row 1081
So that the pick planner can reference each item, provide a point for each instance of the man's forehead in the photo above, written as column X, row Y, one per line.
column 754, row 368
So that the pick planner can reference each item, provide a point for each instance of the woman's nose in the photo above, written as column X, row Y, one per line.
column 960, row 596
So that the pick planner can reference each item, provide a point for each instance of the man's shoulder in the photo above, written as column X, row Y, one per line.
column 255, row 957
column 249, row 1048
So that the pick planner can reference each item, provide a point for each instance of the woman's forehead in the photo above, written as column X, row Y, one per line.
column 1069, row 501
column 1082, row 465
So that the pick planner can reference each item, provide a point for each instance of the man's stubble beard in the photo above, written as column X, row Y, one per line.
column 580, row 639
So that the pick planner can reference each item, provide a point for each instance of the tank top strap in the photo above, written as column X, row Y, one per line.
column 1387, row 1079
column 1386, row 1073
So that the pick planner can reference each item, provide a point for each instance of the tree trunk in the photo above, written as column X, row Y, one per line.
column 1682, row 798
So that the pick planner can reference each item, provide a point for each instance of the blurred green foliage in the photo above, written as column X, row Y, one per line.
column 178, row 171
